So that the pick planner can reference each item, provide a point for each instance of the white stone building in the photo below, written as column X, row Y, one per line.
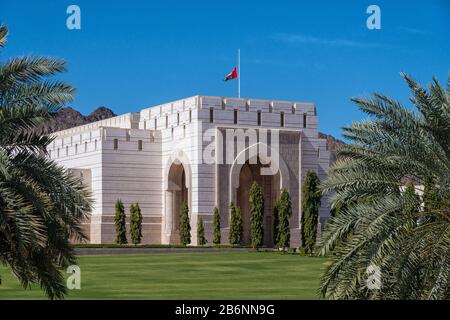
column 181, row 151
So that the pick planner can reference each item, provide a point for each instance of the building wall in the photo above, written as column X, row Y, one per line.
column 83, row 150
column 124, row 173
column 176, row 130
column 134, row 176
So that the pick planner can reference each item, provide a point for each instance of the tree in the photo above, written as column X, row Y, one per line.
column 120, row 223
column 381, row 226
column 216, row 226
column 430, row 194
column 42, row 205
column 201, row 232
column 410, row 191
column 284, row 214
column 256, row 214
column 185, row 225
column 236, row 227
column 310, row 211
column 135, row 224
column 336, row 210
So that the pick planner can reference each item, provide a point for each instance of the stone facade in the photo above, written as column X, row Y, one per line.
column 184, row 151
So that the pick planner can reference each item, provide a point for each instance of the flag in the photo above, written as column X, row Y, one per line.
column 232, row 75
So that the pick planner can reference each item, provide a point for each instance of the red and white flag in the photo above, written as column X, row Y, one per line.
column 232, row 75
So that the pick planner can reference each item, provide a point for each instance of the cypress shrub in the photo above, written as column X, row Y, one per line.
column 310, row 211
column 120, row 223
column 185, row 225
column 135, row 224
column 201, row 232
column 256, row 214
column 236, row 227
column 216, row 226
column 284, row 214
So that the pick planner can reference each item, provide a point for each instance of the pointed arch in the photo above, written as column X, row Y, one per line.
column 177, row 189
column 251, row 154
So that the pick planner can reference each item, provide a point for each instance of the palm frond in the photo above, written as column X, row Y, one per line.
column 380, row 224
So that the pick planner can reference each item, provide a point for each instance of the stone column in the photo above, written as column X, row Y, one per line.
column 168, row 215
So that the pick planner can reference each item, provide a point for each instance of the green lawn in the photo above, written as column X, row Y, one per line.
column 222, row 275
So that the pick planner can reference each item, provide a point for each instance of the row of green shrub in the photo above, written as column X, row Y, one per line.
column 135, row 223
column 281, row 214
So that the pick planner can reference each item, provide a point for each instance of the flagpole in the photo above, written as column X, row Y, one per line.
column 239, row 73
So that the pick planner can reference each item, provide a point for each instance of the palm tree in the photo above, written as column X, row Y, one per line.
column 41, row 204
column 380, row 225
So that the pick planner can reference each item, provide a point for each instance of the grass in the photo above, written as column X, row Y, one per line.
column 212, row 275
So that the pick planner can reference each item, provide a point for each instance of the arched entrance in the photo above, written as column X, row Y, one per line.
column 271, row 191
column 247, row 168
column 177, row 191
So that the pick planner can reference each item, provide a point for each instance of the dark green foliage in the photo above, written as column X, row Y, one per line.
column 413, row 207
column 185, row 225
column 431, row 199
column 410, row 191
column 310, row 211
column 201, row 232
column 120, row 223
column 239, row 226
column 236, row 227
column 336, row 210
column 42, row 205
column 256, row 214
column 216, row 226
column 284, row 209
column 135, row 224
column 380, row 225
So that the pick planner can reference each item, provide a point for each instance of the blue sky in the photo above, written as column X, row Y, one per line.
column 134, row 54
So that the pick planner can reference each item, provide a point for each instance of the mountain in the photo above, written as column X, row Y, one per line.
column 333, row 145
column 68, row 117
